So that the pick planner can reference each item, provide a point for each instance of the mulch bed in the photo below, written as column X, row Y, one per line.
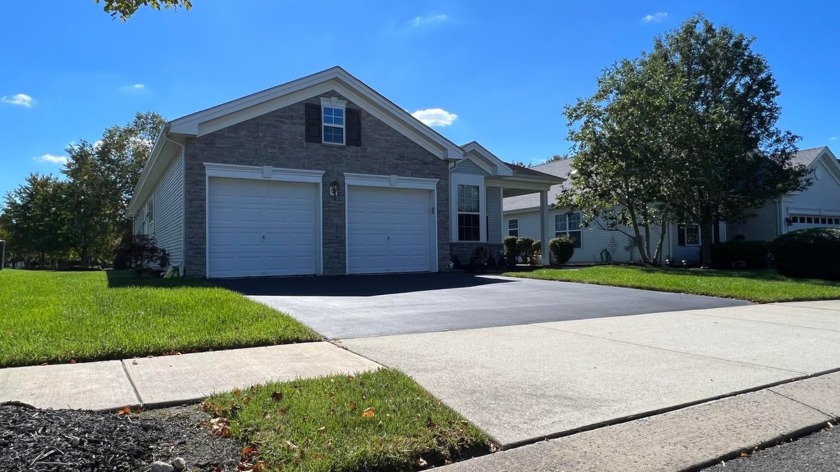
column 32, row 439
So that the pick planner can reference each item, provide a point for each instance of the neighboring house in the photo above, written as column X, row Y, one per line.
column 320, row 176
column 817, row 206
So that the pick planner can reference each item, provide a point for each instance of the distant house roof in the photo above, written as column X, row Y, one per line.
column 559, row 168
column 807, row 157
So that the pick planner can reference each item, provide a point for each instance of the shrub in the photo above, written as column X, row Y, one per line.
column 138, row 253
column 812, row 252
column 740, row 254
column 510, row 250
column 525, row 249
column 562, row 249
column 478, row 261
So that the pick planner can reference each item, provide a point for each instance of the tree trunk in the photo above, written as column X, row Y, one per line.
column 638, row 237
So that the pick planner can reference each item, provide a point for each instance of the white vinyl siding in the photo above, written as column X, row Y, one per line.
column 593, row 239
column 467, row 166
column 168, row 201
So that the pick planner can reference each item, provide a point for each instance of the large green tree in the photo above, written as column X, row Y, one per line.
column 101, row 179
column 125, row 8
column 35, row 218
column 687, row 132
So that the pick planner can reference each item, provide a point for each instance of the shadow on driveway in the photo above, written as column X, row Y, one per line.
column 353, row 285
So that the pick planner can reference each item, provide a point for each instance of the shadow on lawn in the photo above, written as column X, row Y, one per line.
column 128, row 279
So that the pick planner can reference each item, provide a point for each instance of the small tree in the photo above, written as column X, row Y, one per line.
column 562, row 249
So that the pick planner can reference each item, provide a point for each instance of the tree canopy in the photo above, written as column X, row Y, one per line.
column 83, row 215
column 686, row 133
column 125, row 8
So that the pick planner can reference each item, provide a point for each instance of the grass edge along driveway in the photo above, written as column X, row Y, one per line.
column 762, row 286
column 55, row 317
column 379, row 420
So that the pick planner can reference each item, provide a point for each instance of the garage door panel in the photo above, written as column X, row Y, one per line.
column 389, row 230
column 260, row 228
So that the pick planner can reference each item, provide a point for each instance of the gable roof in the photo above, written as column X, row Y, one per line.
column 558, row 168
column 807, row 157
column 221, row 116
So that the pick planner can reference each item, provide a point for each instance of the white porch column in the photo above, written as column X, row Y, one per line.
column 546, row 254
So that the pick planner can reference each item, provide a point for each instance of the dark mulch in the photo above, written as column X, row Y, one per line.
column 80, row 440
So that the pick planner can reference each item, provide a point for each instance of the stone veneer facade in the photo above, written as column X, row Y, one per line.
column 278, row 139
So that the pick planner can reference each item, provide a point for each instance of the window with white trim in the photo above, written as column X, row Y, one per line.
column 332, row 120
column 513, row 227
column 469, row 213
column 688, row 235
column 568, row 224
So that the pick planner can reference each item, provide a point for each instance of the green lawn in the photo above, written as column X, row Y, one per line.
column 378, row 420
column 761, row 286
column 63, row 316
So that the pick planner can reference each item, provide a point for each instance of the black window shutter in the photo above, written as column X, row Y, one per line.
column 354, row 127
column 681, row 235
column 313, row 123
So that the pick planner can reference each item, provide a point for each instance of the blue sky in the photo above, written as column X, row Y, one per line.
column 499, row 72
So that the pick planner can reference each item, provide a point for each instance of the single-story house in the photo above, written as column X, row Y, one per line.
column 321, row 176
column 817, row 206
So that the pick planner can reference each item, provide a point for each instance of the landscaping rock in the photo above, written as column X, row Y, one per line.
column 160, row 466
column 179, row 463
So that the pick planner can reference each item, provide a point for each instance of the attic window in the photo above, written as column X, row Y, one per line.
column 333, row 123
column 332, row 119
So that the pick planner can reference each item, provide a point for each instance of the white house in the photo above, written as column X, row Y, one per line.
column 817, row 206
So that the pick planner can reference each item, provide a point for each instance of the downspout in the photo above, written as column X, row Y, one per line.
column 181, row 266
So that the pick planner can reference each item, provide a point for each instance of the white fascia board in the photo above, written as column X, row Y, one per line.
column 391, row 181
column 336, row 78
column 141, row 190
column 501, row 168
column 520, row 184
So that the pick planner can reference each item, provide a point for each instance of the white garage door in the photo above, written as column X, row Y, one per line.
column 261, row 227
column 390, row 230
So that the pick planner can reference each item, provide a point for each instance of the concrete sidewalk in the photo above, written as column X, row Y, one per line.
column 524, row 383
column 168, row 380
column 684, row 439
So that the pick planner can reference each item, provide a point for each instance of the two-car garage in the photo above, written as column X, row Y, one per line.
column 271, row 222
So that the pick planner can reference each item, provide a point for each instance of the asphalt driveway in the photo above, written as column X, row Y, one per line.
column 346, row 307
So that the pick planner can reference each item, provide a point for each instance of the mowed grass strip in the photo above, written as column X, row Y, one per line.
column 57, row 317
column 380, row 420
column 762, row 286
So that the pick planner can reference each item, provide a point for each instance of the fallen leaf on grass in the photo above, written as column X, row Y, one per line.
column 369, row 412
column 291, row 444
column 322, row 429
column 126, row 410
column 277, row 396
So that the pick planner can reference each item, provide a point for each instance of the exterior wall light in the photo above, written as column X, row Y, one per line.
column 334, row 190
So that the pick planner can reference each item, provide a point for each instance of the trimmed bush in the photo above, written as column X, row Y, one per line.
column 808, row 253
column 740, row 254
column 478, row 261
column 510, row 250
column 562, row 249
column 525, row 249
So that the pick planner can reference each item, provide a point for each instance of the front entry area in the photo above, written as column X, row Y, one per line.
column 262, row 227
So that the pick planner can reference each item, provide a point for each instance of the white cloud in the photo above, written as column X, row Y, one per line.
column 20, row 99
column 435, row 117
column 428, row 20
column 655, row 17
column 138, row 86
column 52, row 159
column 833, row 138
